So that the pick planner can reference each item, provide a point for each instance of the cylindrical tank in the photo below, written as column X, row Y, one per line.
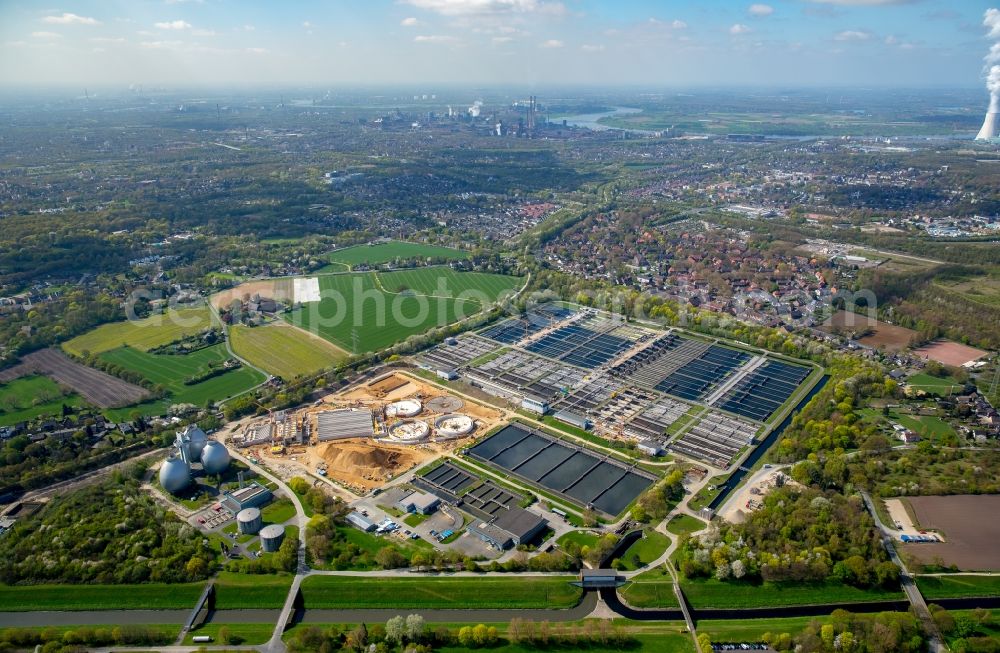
column 409, row 431
column 174, row 475
column 214, row 458
column 452, row 426
column 198, row 440
column 404, row 408
column 249, row 521
column 271, row 537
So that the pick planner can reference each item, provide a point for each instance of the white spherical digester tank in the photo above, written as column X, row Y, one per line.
column 404, row 408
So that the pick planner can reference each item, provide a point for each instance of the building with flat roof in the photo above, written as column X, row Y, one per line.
column 509, row 528
column 253, row 495
column 420, row 502
column 359, row 521
column 344, row 423
column 599, row 578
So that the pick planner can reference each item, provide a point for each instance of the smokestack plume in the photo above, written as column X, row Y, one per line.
column 991, row 125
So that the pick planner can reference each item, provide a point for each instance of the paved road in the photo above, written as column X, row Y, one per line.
column 906, row 580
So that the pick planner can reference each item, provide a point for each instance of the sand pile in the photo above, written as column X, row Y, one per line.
column 357, row 462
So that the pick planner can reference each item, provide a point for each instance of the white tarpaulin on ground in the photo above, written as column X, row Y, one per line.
column 306, row 290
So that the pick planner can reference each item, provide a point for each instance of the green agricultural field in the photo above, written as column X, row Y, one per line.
column 284, row 351
column 388, row 252
column 251, row 591
column 145, row 334
column 170, row 371
column 719, row 594
column 33, row 396
column 445, row 282
column 151, row 596
column 644, row 551
column 343, row 592
column 354, row 305
column 956, row 586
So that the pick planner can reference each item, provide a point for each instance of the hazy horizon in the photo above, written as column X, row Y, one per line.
column 489, row 43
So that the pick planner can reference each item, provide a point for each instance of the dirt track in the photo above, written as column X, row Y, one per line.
column 98, row 388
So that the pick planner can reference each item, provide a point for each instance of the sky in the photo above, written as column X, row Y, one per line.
column 854, row 43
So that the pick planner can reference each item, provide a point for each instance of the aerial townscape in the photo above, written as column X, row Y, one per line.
column 415, row 326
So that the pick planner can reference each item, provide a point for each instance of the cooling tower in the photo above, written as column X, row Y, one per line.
column 991, row 127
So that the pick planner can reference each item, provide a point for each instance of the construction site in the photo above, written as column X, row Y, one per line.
column 369, row 434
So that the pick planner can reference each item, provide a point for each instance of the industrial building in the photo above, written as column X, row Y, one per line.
column 343, row 424
column 510, row 527
column 359, row 521
column 419, row 502
column 253, row 495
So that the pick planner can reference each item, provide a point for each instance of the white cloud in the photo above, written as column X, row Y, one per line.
column 891, row 40
column 551, row 44
column 991, row 19
column 853, row 35
column 161, row 45
column 108, row 39
column 306, row 24
column 203, row 32
column 500, row 40
column 409, row 21
column 45, row 35
column 674, row 24
column 480, row 7
column 586, row 47
column 173, row 24
column 760, row 10
column 257, row 50
column 739, row 28
column 434, row 38
column 70, row 19
column 248, row 28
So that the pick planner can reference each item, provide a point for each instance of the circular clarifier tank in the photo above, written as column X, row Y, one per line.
column 453, row 425
column 409, row 431
column 404, row 408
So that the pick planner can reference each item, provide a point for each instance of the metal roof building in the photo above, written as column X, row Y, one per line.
column 359, row 521
column 511, row 527
column 253, row 495
column 344, row 423
column 422, row 502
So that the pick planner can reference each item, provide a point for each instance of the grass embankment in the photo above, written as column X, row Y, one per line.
column 145, row 334
column 644, row 551
column 718, row 594
column 948, row 587
column 152, row 596
column 284, row 351
column 238, row 634
column 680, row 524
column 279, row 511
column 251, row 591
column 344, row 592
